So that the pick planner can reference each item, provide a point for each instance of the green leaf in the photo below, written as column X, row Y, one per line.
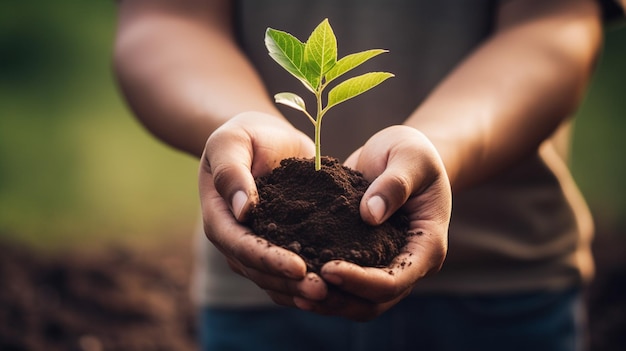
column 288, row 52
column 350, row 62
column 320, row 52
column 355, row 86
column 294, row 101
column 290, row 99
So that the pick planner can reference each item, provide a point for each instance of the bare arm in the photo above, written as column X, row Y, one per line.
column 181, row 71
column 496, row 108
column 185, row 78
column 513, row 92
column 183, row 74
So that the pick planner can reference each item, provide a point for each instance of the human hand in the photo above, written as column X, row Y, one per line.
column 406, row 171
column 249, row 145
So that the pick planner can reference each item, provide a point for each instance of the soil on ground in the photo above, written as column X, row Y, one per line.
column 316, row 215
column 115, row 299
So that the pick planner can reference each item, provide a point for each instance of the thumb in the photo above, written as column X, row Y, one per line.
column 228, row 172
column 236, row 185
column 385, row 195
column 409, row 166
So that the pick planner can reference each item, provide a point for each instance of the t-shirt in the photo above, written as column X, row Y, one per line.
column 527, row 229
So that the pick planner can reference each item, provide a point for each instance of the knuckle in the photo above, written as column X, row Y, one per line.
column 222, row 174
column 400, row 186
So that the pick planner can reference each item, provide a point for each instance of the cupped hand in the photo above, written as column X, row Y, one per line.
column 406, row 172
column 249, row 145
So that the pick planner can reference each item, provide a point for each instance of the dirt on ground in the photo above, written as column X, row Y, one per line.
column 138, row 299
column 114, row 299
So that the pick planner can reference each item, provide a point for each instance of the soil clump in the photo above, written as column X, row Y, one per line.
column 316, row 215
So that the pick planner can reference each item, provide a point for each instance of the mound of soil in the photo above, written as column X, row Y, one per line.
column 316, row 215
column 115, row 299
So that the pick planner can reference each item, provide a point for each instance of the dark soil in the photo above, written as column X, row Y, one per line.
column 316, row 215
column 115, row 299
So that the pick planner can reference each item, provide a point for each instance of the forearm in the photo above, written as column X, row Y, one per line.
column 181, row 71
column 514, row 91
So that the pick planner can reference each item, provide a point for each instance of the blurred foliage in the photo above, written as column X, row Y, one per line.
column 77, row 169
column 598, row 158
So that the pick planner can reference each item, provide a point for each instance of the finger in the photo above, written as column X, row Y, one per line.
column 281, row 299
column 239, row 245
column 345, row 305
column 226, row 162
column 423, row 254
column 247, row 146
column 353, row 160
column 409, row 167
column 372, row 284
column 256, row 254
column 312, row 287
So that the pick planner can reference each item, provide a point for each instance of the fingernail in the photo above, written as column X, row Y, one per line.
column 377, row 207
column 239, row 201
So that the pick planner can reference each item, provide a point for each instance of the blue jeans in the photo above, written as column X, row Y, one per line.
column 550, row 321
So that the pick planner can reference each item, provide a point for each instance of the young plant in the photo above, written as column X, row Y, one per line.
column 315, row 64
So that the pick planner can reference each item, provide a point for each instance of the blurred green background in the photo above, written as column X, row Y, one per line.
column 77, row 169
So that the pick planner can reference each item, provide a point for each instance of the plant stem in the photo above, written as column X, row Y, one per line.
column 318, row 130
column 318, row 153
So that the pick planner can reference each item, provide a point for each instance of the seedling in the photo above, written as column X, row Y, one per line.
column 315, row 64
